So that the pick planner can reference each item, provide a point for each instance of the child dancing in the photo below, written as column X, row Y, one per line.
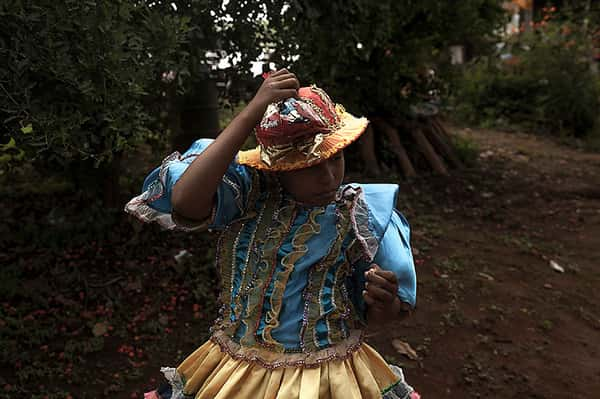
column 305, row 261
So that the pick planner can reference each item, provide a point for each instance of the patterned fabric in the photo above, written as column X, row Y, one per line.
column 154, row 203
column 300, row 131
column 287, row 121
column 256, row 269
column 292, row 276
column 297, row 124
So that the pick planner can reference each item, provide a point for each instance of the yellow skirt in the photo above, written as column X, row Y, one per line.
column 212, row 373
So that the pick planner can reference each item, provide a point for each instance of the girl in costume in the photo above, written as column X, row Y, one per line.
column 305, row 261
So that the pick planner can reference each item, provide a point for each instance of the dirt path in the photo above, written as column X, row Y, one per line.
column 494, row 319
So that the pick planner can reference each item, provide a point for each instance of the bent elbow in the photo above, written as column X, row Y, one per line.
column 188, row 206
column 176, row 198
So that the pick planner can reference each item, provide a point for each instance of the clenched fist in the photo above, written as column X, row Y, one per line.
column 381, row 296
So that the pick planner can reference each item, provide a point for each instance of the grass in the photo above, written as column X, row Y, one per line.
column 466, row 150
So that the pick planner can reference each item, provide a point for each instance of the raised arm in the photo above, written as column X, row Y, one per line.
column 193, row 194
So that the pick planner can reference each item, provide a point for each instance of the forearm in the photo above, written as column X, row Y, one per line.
column 193, row 194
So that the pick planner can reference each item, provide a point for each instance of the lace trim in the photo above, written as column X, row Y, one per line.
column 177, row 382
column 400, row 389
column 272, row 360
column 140, row 208
column 361, row 224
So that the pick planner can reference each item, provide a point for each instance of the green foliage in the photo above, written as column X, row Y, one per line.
column 466, row 149
column 76, row 76
column 228, row 111
column 378, row 48
column 546, row 84
column 85, row 80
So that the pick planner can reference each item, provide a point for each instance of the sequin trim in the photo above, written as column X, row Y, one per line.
column 225, row 255
column 273, row 234
column 250, row 313
column 273, row 360
column 271, row 315
column 299, row 249
column 313, row 294
column 236, row 189
column 140, row 208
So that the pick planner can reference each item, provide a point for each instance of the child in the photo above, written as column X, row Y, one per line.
column 305, row 262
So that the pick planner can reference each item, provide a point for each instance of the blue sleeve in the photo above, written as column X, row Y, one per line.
column 154, row 204
column 394, row 254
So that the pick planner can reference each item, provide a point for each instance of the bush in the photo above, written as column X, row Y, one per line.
column 545, row 82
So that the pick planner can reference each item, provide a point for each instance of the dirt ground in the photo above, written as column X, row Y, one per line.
column 494, row 319
column 99, row 317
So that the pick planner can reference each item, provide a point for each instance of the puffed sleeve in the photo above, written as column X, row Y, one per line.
column 154, row 203
column 394, row 254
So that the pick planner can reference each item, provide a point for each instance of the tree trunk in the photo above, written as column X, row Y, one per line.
column 367, row 151
column 396, row 146
column 427, row 150
column 439, row 142
column 199, row 116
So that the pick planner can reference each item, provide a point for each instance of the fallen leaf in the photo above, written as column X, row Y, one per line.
column 181, row 255
column 486, row 276
column 99, row 329
column 556, row 267
column 404, row 348
column 163, row 319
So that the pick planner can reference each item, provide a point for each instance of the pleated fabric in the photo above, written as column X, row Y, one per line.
column 210, row 373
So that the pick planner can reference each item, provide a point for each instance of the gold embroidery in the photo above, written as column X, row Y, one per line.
column 303, row 234
column 254, row 286
column 226, row 260
column 317, row 279
column 262, row 279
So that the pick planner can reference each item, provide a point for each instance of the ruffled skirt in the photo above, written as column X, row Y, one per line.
column 214, row 373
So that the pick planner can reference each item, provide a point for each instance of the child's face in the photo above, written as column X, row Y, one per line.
column 316, row 185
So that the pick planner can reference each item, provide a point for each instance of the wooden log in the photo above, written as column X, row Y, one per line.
column 396, row 146
column 366, row 145
column 440, row 143
column 437, row 124
column 437, row 164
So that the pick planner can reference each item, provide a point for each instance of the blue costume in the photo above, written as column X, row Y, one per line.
column 292, row 276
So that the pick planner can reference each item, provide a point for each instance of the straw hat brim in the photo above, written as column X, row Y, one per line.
column 351, row 129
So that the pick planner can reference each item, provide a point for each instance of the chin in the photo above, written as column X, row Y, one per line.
column 323, row 200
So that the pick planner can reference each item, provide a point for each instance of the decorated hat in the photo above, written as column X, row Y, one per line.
column 302, row 131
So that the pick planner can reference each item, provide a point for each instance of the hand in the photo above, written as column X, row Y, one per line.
column 277, row 86
column 381, row 287
column 381, row 295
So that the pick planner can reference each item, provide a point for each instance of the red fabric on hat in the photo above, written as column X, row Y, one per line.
column 294, row 119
